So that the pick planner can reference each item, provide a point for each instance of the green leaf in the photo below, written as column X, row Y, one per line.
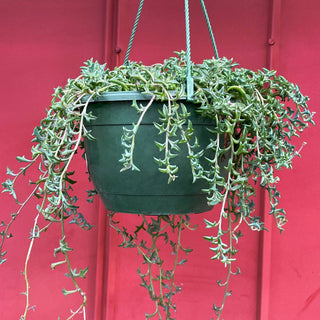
column 55, row 264
column 10, row 173
column 67, row 292
column 210, row 224
column 81, row 274
column 23, row 159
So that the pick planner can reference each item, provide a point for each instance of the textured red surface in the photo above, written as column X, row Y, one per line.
column 44, row 43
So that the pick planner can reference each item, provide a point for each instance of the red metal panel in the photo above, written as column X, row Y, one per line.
column 160, row 32
column 242, row 31
column 42, row 44
column 295, row 280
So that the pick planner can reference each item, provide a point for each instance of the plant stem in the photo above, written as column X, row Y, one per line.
column 145, row 109
column 78, row 289
column 226, row 286
column 178, row 245
column 33, row 236
column 63, row 174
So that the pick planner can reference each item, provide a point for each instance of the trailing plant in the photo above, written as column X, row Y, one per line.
column 256, row 114
column 159, row 282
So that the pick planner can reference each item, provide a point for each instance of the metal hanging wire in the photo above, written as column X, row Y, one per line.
column 189, row 79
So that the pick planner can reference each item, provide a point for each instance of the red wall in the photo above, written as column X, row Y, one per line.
column 43, row 43
column 295, row 276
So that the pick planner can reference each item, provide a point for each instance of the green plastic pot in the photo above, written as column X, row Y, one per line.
column 146, row 191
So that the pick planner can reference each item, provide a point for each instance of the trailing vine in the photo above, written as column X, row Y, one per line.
column 57, row 139
column 159, row 282
column 256, row 115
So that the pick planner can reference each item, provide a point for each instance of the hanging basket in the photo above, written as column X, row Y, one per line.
column 146, row 191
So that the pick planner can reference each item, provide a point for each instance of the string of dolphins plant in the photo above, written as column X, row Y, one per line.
column 256, row 115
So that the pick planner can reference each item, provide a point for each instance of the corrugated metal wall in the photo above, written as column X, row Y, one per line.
column 44, row 43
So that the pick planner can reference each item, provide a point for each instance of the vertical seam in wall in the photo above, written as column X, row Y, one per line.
column 101, row 264
column 265, row 272
column 274, row 35
column 103, row 237
column 111, row 32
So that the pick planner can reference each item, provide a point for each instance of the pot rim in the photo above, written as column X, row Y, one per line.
column 122, row 96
